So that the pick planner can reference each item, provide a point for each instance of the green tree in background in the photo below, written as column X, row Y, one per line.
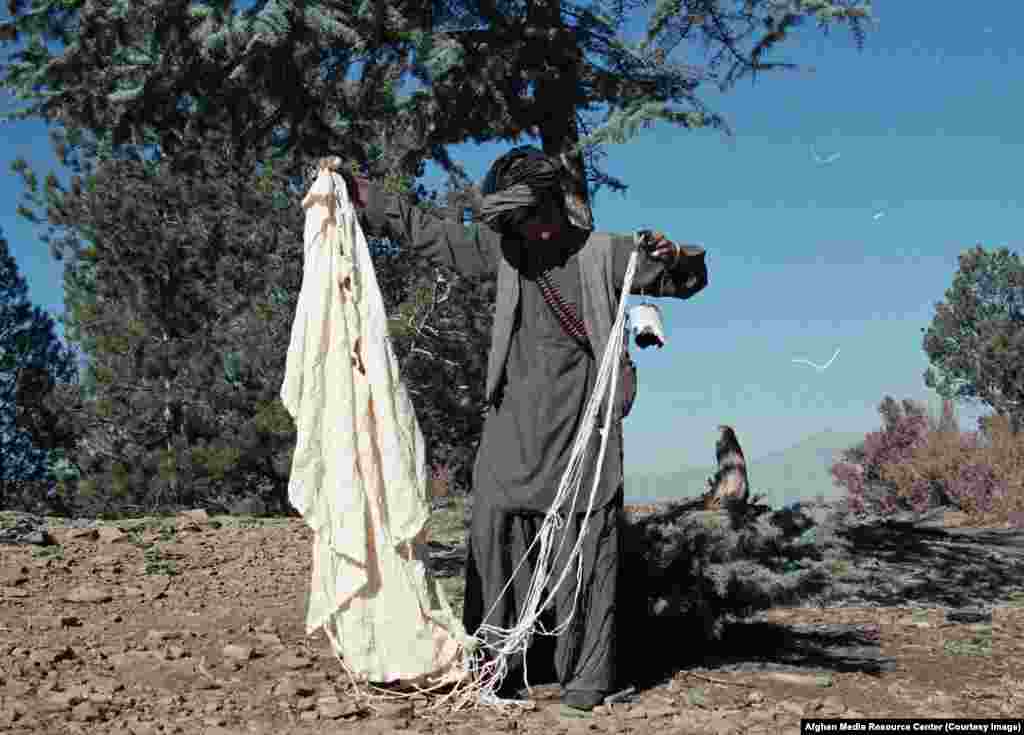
column 192, row 279
column 975, row 343
column 283, row 71
column 31, row 356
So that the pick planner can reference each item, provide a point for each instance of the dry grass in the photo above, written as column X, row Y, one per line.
column 945, row 452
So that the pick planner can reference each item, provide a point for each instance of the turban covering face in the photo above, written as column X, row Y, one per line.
column 520, row 180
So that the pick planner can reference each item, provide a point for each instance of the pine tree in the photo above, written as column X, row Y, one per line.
column 975, row 343
column 282, row 71
column 31, row 355
column 173, row 280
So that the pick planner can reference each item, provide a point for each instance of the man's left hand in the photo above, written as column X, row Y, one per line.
column 664, row 249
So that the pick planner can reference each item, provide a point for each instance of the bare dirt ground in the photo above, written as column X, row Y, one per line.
column 195, row 625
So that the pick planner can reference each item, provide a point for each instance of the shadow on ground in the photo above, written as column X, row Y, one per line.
column 891, row 564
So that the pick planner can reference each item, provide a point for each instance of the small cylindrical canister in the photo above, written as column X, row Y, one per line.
column 647, row 327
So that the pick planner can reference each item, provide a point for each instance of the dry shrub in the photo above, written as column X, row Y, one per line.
column 928, row 476
column 980, row 472
column 1004, row 453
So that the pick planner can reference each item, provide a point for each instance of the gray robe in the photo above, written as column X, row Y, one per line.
column 532, row 424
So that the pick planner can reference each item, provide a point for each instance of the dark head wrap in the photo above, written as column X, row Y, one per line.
column 518, row 182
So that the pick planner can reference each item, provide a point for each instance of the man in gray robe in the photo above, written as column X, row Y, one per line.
column 537, row 233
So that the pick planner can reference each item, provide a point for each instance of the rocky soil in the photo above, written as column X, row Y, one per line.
column 194, row 625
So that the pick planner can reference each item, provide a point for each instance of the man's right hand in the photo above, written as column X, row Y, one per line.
column 358, row 186
column 358, row 189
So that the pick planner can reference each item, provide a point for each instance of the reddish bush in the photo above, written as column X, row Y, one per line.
column 863, row 469
column 1002, row 451
column 918, row 462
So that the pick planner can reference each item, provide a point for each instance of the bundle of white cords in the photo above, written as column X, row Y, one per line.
column 489, row 660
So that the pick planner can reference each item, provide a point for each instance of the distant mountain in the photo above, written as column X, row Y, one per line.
column 800, row 472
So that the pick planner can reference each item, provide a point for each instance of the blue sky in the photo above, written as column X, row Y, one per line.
column 927, row 124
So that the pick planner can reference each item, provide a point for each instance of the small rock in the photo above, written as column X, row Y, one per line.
column 15, row 592
column 330, row 708
column 113, row 561
column 86, row 712
column 14, row 577
column 831, row 706
column 158, row 636
column 792, row 707
column 143, row 728
column 106, row 685
column 130, row 658
column 294, row 661
column 83, row 534
column 39, row 538
column 305, row 704
column 193, row 520
column 659, row 712
column 311, row 716
column 266, row 626
column 237, row 652
column 48, row 657
column 158, row 587
column 291, row 688
column 88, row 593
column 759, row 715
column 8, row 716
column 69, row 621
column 112, row 535
column 268, row 639
column 70, row 697
column 176, row 652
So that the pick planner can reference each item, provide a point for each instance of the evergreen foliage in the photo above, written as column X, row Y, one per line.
column 687, row 572
column 284, row 72
column 976, row 340
column 187, row 280
column 32, row 358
